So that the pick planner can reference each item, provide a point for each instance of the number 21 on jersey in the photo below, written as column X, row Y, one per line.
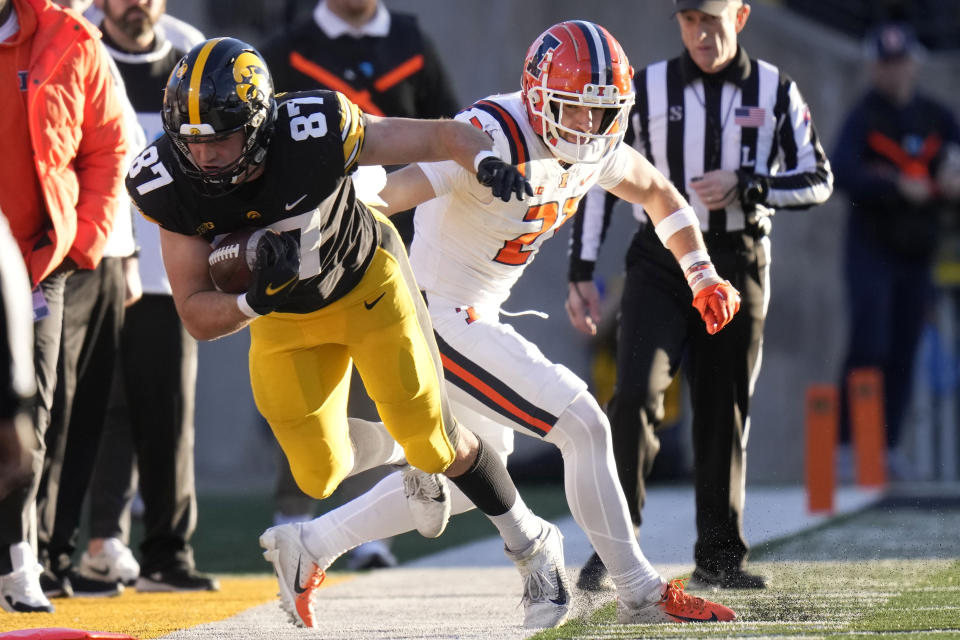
column 518, row 251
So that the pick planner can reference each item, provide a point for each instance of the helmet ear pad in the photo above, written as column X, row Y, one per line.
column 235, row 94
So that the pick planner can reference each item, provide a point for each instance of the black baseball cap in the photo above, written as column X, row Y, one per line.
column 892, row 41
column 712, row 7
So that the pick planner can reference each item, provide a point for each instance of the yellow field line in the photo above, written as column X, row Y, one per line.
column 152, row 615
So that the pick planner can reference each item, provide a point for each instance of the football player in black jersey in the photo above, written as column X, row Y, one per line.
column 331, row 287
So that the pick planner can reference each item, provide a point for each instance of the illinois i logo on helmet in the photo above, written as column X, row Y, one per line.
column 535, row 63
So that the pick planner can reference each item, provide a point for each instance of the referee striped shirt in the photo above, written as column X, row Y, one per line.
column 750, row 116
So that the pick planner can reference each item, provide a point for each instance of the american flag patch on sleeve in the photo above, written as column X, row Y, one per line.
column 750, row 116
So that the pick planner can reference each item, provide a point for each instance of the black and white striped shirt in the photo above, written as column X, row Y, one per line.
column 750, row 116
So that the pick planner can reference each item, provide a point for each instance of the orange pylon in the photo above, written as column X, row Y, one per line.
column 822, row 417
column 865, row 393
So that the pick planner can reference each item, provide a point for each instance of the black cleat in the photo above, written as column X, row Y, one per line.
column 176, row 579
column 735, row 578
column 594, row 576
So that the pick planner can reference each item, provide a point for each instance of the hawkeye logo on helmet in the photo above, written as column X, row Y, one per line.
column 250, row 74
column 548, row 44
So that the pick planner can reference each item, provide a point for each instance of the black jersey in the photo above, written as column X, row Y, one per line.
column 305, row 190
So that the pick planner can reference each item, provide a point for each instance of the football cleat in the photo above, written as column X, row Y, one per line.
column 428, row 499
column 674, row 605
column 546, row 588
column 297, row 572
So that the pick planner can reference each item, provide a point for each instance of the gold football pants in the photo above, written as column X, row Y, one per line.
column 300, row 367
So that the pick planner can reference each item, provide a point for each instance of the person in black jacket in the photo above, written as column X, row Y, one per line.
column 378, row 58
column 735, row 137
column 892, row 159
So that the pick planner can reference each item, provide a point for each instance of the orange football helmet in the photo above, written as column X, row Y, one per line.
column 577, row 63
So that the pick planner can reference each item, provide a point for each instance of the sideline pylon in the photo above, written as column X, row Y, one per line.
column 865, row 393
column 822, row 418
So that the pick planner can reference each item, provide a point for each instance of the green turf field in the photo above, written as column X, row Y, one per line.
column 884, row 572
column 885, row 598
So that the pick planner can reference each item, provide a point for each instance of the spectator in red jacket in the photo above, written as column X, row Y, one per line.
column 64, row 138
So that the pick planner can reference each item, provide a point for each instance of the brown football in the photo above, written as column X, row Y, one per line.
column 233, row 260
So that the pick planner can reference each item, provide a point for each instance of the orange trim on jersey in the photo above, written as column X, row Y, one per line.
column 399, row 73
column 332, row 81
column 492, row 395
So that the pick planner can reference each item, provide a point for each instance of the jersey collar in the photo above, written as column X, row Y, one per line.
column 334, row 26
column 736, row 72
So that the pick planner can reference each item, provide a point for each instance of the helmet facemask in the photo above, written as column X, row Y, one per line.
column 589, row 147
column 224, row 180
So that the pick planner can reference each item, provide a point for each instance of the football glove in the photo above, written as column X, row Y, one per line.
column 717, row 304
column 503, row 179
column 275, row 273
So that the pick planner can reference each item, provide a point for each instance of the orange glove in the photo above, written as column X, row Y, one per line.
column 717, row 305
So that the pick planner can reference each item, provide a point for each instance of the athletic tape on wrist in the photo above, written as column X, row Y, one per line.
column 690, row 259
column 486, row 153
column 702, row 275
column 677, row 220
column 245, row 307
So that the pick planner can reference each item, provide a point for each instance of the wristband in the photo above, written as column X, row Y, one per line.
column 677, row 220
column 245, row 307
column 481, row 156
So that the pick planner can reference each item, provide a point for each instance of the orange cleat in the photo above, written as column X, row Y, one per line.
column 674, row 605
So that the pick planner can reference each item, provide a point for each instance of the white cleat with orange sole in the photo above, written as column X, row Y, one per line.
column 297, row 571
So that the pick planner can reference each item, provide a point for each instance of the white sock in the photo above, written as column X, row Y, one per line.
column 518, row 527
column 381, row 512
column 596, row 499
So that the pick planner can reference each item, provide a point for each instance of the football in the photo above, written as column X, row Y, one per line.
column 233, row 260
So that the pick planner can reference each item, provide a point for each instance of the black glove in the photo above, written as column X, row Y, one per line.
column 276, row 271
column 502, row 178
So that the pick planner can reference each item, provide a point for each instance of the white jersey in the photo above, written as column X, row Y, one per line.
column 471, row 247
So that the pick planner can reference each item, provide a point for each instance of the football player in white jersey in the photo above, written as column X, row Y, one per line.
column 564, row 131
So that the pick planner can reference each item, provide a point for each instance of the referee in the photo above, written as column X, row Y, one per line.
column 735, row 136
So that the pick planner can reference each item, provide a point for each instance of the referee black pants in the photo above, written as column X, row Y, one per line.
column 659, row 329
